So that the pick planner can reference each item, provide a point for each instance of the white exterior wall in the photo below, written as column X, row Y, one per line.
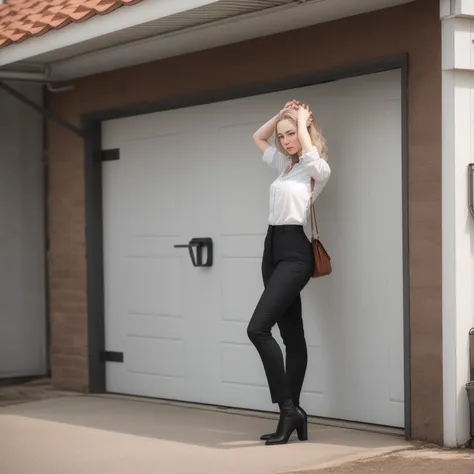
column 458, row 226
column 22, row 275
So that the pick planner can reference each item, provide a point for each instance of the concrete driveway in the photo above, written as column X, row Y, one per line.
column 79, row 434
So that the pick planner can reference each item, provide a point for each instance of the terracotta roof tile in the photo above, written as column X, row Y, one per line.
column 23, row 19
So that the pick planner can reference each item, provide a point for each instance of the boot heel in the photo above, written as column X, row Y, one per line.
column 302, row 431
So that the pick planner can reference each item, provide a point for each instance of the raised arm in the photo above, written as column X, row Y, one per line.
column 317, row 167
column 262, row 135
column 304, row 118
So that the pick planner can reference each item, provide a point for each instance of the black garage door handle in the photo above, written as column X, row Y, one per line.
column 199, row 243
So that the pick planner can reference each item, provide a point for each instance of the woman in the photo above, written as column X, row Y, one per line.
column 287, row 266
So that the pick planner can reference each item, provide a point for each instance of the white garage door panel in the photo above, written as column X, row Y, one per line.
column 166, row 327
column 241, row 276
column 139, row 175
column 156, row 356
column 361, row 220
column 239, row 374
column 243, row 211
column 194, row 172
column 145, row 296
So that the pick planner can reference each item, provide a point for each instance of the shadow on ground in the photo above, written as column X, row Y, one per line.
column 190, row 424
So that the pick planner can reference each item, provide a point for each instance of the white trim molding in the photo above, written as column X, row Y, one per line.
column 457, row 225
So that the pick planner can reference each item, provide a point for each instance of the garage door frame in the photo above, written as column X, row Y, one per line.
column 93, row 196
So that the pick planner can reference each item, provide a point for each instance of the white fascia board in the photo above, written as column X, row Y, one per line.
column 120, row 19
column 231, row 30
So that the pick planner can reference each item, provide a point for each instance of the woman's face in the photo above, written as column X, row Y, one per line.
column 287, row 133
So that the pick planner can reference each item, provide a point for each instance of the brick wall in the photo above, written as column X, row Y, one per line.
column 66, row 259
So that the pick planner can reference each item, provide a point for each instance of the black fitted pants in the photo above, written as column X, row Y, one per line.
column 287, row 266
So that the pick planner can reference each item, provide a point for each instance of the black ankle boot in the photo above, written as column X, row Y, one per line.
column 290, row 419
column 271, row 435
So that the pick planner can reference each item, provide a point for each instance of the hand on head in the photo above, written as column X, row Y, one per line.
column 303, row 110
column 305, row 114
column 292, row 104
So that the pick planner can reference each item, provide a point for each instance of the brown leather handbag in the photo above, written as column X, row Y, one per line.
column 322, row 260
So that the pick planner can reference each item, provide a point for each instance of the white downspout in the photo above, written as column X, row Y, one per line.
column 457, row 18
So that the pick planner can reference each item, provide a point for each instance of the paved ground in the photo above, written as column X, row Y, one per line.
column 423, row 461
column 44, row 431
column 28, row 391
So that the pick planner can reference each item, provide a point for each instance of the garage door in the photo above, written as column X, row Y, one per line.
column 194, row 173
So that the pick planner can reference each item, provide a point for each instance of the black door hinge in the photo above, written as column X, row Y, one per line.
column 111, row 356
column 108, row 155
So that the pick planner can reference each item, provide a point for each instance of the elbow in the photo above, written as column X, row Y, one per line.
column 326, row 174
column 258, row 136
column 323, row 175
column 260, row 142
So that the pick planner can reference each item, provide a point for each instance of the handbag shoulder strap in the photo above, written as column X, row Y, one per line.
column 314, row 224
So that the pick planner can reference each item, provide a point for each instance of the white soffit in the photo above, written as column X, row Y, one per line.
column 209, row 25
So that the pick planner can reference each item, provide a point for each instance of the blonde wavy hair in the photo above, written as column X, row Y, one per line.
column 315, row 133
